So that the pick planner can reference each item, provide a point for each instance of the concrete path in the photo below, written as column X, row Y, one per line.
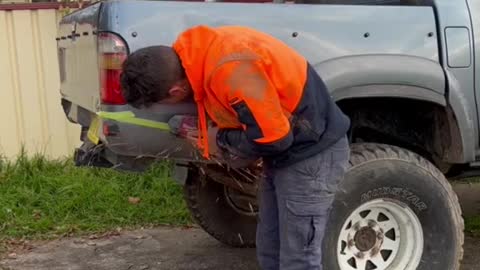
column 161, row 248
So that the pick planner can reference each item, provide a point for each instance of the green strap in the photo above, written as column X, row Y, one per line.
column 129, row 118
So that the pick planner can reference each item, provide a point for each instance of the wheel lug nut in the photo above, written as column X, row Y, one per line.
column 350, row 243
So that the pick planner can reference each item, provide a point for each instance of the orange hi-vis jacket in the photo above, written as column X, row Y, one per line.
column 265, row 98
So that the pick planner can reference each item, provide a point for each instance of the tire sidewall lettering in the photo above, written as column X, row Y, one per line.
column 398, row 193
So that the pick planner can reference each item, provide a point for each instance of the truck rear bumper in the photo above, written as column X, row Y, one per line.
column 135, row 141
column 143, row 142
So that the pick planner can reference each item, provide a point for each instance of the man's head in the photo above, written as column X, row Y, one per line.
column 154, row 75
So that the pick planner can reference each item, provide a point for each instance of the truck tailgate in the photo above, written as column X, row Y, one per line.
column 77, row 55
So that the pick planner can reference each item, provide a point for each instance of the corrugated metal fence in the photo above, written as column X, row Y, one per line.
column 29, row 85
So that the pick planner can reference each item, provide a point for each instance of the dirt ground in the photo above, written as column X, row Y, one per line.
column 160, row 248
column 468, row 193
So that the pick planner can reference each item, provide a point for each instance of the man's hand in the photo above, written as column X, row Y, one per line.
column 212, row 141
column 185, row 126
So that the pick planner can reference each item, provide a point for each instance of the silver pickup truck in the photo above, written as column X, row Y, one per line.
column 403, row 71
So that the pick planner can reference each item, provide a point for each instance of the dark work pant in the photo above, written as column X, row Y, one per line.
column 294, row 208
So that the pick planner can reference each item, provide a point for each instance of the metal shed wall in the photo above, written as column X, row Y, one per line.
column 30, row 107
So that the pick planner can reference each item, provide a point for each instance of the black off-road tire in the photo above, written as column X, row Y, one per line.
column 397, row 175
column 208, row 205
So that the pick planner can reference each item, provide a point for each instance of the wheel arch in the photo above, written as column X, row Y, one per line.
column 399, row 86
column 384, row 75
column 427, row 128
column 465, row 115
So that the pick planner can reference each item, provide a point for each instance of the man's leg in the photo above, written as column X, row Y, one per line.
column 305, row 192
column 268, row 238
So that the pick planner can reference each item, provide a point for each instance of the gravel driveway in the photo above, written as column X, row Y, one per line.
column 160, row 248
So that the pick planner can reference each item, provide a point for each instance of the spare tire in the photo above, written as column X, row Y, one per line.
column 212, row 207
column 394, row 211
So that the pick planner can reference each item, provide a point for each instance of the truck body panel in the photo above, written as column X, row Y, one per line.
column 460, row 88
column 323, row 31
column 77, row 51
column 474, row 8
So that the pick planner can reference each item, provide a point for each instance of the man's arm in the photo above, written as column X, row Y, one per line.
column 253, row 97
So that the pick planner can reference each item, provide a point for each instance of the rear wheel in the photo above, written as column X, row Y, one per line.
column 394, row 211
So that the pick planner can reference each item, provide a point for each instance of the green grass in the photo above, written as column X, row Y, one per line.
column 472, row 225
column 43, row 199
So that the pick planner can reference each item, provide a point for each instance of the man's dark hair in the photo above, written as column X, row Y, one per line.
column 149, row 73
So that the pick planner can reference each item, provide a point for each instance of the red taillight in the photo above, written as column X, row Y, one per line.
column 112, row 51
